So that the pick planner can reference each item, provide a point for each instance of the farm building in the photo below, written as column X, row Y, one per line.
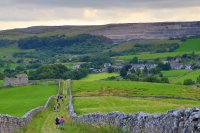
column 20, row 79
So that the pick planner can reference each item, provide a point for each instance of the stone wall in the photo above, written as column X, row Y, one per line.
column 9, row 124
column 20, row 79
column 174, row 121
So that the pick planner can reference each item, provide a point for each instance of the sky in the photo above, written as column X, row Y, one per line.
column 25, row 13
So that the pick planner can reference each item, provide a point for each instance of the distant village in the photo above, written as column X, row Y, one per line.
column 175, row 65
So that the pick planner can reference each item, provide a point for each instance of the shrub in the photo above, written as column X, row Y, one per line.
column 188, row 82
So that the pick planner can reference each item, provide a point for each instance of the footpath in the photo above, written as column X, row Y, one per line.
column 44, row 122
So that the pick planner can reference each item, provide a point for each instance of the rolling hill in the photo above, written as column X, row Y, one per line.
column 120, row 32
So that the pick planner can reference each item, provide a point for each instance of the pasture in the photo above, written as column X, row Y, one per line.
column 191, row 75
column 186, row 47
column 1, row 82
column 190, row 45
column 8, row 51
column 16, row 101
column 175, row 73
column 146, row 56
column 105, row 104
column 99, row 76
column 128, row 88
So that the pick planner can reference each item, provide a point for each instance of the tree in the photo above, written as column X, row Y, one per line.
column 138, row 72
column 188, row 82
column 1, row 76
column 134, row 60
column 110, row 69
column 145, row 71
column 198, row 80
column 163, row 66
column 164, row 80
column 133, row 70
column 123, row 72
column 132, row 77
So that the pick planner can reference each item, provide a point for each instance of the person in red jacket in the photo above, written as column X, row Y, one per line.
column 62, row 123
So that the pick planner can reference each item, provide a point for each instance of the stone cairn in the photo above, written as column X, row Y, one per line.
column 174, row 121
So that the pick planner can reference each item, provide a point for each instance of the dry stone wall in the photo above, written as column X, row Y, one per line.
column 175, row 121
column 9, row 124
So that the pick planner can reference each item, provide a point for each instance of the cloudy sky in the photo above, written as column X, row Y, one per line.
column 24, row 13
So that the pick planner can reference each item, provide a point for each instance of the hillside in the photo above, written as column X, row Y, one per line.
column 122, row 32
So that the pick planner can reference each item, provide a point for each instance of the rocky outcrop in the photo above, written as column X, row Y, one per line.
column 175, row 121
column 149, row 31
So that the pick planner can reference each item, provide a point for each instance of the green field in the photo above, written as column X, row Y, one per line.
column 1, row 82
column 85, row 105
column 128, row 45
column 128, row 88
column 185, row 48
column 99, row 76
column 146, row 56
column 190, row 45
column 191, row 75
column 8, row 51
column 17, row 101
column 175, row 73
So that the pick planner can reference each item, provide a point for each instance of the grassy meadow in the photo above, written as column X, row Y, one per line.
column 99, row 76
column 17, row 101
column 128, row 45
column 175, row 73
column 8, row 51
column 190, row 45
column 185, row 48
column 105, row 104
column 191, row 75
column 1, row 82
column 146, row 56
column 128, row 88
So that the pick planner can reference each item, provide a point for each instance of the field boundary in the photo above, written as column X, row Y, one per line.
column 158, row 97
column 9, row 124
column 174, row 121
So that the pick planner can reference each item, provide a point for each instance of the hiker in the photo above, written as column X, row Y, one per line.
column 58, row 98
column 54, row 108
column 62, row 98
column 62, row 121
column 57, row 122
column 58, row 105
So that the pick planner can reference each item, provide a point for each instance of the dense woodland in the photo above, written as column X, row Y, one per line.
column 80, row 44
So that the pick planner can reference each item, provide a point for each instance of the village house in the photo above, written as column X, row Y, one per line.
column 76, row 67
column 142, row 66
column 179, row 66
column 20, row 79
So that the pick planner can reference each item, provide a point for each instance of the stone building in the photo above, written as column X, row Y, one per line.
column 20, row 79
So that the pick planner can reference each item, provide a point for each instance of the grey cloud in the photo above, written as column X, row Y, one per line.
column 105, row 3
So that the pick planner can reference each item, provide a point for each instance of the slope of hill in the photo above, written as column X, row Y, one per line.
column 132, row 31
